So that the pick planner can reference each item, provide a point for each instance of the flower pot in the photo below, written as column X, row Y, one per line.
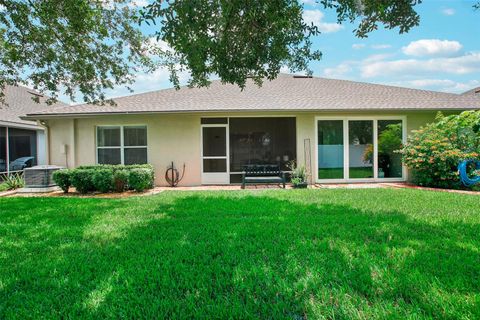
column 301, row 185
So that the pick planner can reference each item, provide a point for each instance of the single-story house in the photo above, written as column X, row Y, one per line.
column 22, row 142
column 342, row 131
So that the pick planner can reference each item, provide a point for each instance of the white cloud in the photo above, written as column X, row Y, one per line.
column 432, row 47
column 341, row 71
column 376, row 57
column 316, row 17
column 432, row 73
column 448, row 11
column 344, row 69
column 153, row 44
column 465, row 64
column 144, row 82
column 310, row 2
column 445, row 85
column 381, row 46
column 110, row 4
column 358, row 46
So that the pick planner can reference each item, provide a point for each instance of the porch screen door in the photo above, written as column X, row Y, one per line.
column 214, row 154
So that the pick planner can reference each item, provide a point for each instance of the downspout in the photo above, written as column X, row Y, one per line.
column 44, row 124
column 8, row 150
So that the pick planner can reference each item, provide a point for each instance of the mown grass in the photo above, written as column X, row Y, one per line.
column 3, row 186
column 337, row 173
column 283, row 254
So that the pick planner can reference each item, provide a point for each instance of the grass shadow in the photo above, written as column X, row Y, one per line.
column 242, row 255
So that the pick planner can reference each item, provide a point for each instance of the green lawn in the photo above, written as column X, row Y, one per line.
column 337, row 173
column 293, row 254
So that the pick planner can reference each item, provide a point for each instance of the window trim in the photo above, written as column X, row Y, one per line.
column 374, row 119
column 122, row 146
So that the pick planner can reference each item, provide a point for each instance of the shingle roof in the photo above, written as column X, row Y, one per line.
column 18, row 102
column 282, row 94
column 473, row 92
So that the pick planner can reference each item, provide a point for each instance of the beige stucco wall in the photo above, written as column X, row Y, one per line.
column 176, row 137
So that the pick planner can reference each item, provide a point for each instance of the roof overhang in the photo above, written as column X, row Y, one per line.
column 20, row 125
column 94, row 114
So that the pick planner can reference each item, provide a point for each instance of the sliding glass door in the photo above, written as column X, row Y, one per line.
column 359, row 149
column 330, row 149
column 390, row 139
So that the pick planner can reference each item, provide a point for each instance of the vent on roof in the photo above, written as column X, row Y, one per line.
column 35, row 93
column 297, row 76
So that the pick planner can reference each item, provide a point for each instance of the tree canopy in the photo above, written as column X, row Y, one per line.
column 74, row 45
column 88, row 46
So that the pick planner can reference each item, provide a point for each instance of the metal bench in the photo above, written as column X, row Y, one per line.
column 263, row 174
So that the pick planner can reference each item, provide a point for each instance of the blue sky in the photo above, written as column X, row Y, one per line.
column 442, row 54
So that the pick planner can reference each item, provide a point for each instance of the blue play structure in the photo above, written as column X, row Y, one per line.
column 462, row 169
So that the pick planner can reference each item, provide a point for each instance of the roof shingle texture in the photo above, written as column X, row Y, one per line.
column 282, row 94
column 18, row 102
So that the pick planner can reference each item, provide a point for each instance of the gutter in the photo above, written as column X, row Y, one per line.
column 21, row 125
column 34, row 116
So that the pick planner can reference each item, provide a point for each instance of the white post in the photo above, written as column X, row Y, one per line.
column 8, row 151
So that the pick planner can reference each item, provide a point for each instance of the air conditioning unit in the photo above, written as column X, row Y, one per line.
column 40, row 178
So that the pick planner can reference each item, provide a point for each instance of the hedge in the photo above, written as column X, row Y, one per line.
column 103, row 180
column 63, row 178
column 82, row 180
column 140, row 179
column 106, row 178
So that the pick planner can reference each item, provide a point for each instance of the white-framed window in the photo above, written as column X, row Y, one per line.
column 122, row 144
column 359, row 148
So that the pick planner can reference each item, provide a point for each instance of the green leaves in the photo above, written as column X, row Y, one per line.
column 235, row 40
column 89, row 46
column 435, row 151
column 66, row 46
column 389, row 13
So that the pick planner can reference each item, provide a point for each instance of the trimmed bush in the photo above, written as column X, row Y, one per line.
column 120, row 180
column 435, row 151
column 82, row 180
column 103, row 180
column 140, row 179
column 63, row 178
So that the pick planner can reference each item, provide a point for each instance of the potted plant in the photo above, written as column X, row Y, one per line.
column 298, row 176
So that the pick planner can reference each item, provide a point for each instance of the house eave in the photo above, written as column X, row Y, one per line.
column 94, row 114
column 20, row 125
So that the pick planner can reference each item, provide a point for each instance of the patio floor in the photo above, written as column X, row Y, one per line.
column 156, row 190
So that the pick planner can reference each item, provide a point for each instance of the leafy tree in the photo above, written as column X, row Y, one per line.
column 255, row 38
column 93, row 45
column 71, row 45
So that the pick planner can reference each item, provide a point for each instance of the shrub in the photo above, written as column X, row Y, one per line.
column 434, row 152
column 105, row 178
column 13, row 181
column 299, row 174
column 63, row 179
column 120, row 180
column 140, row 179
column 102, row 179
column 82, row 180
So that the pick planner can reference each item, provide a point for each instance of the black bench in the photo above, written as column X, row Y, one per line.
column 262, row 173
